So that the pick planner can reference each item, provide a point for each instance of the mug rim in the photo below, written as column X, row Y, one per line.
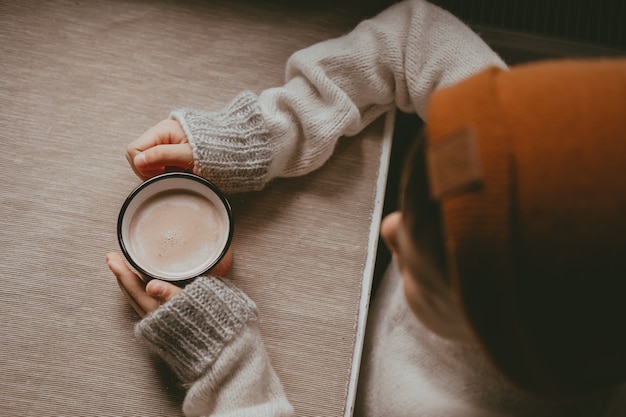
column 186, row 176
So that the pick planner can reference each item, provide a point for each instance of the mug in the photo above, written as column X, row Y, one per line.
column 175, row 227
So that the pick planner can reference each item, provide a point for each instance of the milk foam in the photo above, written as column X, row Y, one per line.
column 176, row 231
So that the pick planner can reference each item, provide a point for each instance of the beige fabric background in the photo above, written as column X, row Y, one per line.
column 78, row 81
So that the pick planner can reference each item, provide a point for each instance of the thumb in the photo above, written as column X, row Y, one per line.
column 160, row 156
column 161, row 291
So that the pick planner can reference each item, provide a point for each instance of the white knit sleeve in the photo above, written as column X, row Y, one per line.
column 334, row 89
column 337, row 87
column 208, row 334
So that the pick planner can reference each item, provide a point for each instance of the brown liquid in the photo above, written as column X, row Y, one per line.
column 176, row 231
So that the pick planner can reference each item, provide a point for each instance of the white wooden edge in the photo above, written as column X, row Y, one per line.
column 368, row 271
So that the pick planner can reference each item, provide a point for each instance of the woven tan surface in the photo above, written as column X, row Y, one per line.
column 78, row 81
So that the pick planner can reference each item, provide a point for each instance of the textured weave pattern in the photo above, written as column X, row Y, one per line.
column 78, row 82
column 204, row 318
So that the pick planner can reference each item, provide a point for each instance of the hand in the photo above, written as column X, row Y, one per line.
column 147, row 297
column 143, row 297
column 163, row 145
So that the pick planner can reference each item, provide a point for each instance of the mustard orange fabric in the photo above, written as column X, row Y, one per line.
column 538, row 250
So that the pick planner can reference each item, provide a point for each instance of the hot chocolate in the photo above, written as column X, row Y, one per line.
column 175, row 227
column 175, row 231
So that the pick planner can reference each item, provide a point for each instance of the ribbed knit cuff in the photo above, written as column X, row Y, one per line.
column 230, row 147
column 191, row 329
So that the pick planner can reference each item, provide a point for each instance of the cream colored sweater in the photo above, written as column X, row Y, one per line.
column 209, row 335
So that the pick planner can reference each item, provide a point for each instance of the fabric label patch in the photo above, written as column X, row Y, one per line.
column 453, row 165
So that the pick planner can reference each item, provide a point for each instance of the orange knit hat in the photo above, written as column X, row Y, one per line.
column 529, row 166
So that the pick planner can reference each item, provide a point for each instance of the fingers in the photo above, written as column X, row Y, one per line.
column 153, row 161
column 132, row 285
column 161, row 291
column 164, row 134
column 144, row 298
column 223, row 267
column 131, row 300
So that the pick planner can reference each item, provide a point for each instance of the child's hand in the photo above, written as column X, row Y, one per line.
column 147, row 297
column 144, row 298
column 163, row 145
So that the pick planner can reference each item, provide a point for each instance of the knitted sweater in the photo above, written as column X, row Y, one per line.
column 208, row 333
column 334, row 89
